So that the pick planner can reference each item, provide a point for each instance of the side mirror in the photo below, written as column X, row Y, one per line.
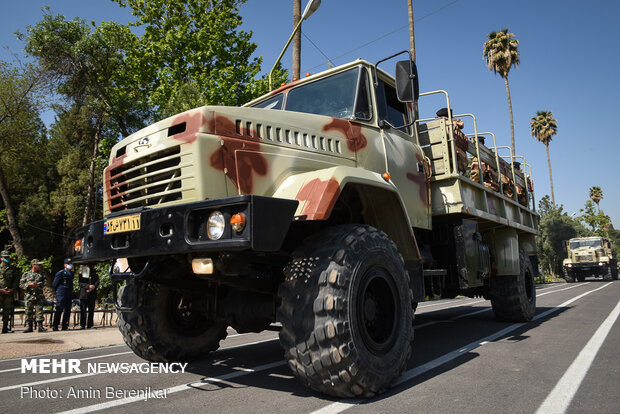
column 407, row 85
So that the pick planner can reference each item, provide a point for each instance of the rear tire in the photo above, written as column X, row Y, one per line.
column 608, row 275
column 514, row 297
column 347, row 312
column 166, row 325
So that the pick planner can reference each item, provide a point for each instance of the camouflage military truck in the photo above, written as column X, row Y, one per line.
column 326, row 206
column 589, row 256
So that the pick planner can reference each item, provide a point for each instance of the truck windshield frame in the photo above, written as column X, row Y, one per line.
column 575, row 244
column 332, row 96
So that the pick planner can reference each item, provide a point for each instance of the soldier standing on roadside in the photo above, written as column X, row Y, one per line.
column 88, row 281
column 63, row 284
column 9, row 283
column 32, row 283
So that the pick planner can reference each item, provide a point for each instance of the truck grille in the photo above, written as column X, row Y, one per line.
column 147, row 181
column 585, row 258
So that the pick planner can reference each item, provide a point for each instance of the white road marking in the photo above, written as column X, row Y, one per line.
column 63, row 353
column 560, row 397
column 461, row 302
column 424, row 325
column 567, row 288
column 58, row 379
column 30, row 384
column 419, row 370
column 178, row 388
column 81, row 359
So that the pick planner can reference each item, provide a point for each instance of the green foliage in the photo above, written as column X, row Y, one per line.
column 192, row 53
column 596, row 195
column 107, row 82
column 554, row 229
column 105, row 283
column 543, row 126
column 597, row 221
column 501, row 52
column 22, row 263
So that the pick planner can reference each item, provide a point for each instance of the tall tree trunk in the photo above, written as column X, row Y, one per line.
column 91, row 174
column 296, row 40
column 550, row 175
column 512, row 123
column 11, row 217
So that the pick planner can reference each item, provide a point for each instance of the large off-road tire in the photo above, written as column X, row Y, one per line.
column 608, row 275
column 346, row 312
column 569, row 275
column 166, row 325
column 514, row 297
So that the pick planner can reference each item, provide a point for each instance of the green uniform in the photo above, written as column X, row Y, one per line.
column 33, row 295
column 9, row 278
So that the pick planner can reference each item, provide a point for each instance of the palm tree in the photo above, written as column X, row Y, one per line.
column 544, row 127
column 596, row 194
column 501, row 53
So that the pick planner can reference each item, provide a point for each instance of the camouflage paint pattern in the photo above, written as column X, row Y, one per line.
column 33, row 296
column 584, row 255
column 213, row 152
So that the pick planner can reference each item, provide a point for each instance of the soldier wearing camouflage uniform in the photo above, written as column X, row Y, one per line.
column 32, row 283
column 9, row 282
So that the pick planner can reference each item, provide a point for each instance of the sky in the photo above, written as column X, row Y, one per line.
column 569, row 60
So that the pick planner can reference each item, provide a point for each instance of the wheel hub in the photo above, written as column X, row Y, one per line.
column 378, row 310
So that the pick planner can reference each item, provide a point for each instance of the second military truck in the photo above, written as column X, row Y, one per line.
column 589, row 256
column 326, row 206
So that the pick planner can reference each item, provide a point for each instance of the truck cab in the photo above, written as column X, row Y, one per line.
column 589, row 256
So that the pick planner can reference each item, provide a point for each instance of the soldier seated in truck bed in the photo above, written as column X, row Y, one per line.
column 462, row 144
column 521, row 195
column 489, row 175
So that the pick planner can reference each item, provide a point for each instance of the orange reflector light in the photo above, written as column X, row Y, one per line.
column 295, row 79
column 77, row 246
column 283, row 84
column 308, row 74
column 237, row 222
column 386, row 176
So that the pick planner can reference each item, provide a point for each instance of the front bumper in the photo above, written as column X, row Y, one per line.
column 586, row 266
column 181, row 229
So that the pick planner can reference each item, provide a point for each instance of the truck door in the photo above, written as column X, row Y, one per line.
column 406, row 161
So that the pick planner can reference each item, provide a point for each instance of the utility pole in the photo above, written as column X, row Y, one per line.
column 296, row 40
column 411, row 32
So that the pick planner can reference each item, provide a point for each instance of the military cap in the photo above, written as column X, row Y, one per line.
column 5, row 253
column 517, row 164
column 444, row 112
column 67, row 261
column 35, row 262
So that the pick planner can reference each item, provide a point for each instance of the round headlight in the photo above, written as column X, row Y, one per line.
column 215, row 225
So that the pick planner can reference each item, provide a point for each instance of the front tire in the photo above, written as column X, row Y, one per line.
column 514, row 297
column 166, row 324
column 346, row 312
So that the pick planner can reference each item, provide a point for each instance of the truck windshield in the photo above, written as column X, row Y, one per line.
column 575, row 244
column 333, row 96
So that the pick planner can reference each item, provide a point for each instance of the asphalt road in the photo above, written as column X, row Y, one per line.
column 464, row 361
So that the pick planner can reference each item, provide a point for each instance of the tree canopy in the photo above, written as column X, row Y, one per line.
column 501, row 53
column 103, row 82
